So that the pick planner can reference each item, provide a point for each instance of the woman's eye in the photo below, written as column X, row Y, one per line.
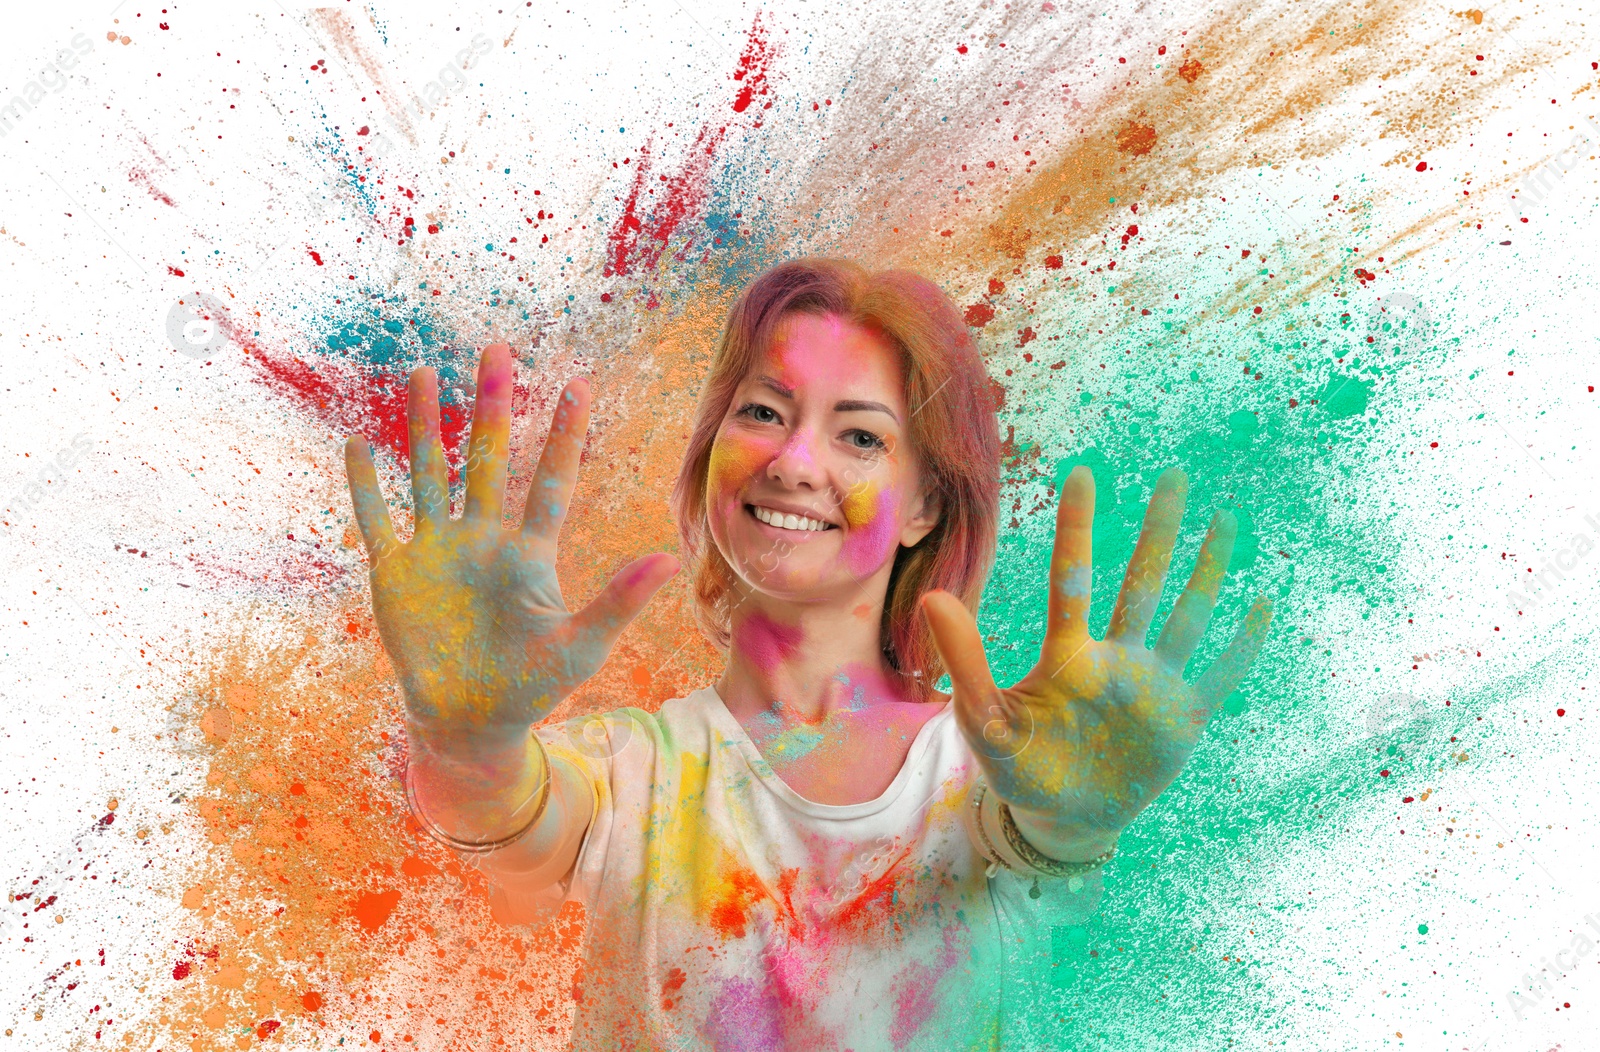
column 864, row 440
column 761, row 414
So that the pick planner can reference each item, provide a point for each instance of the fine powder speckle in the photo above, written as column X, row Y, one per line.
column 1309, row 255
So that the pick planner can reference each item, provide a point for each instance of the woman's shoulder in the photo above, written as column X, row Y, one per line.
column 692, row 718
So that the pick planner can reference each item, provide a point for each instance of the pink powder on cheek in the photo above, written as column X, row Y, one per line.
column 766, row 642
column 869, row 514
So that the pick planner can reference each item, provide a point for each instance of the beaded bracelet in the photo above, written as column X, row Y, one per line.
column 1050, row 867
column 483, row 847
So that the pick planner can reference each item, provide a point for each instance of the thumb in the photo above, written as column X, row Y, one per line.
column 620, row 601
column 980, row 707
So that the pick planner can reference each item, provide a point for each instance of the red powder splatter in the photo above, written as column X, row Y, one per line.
column 1137, row 139
column 754, row 63
column 1422, row 166
column 174, row 271
column 140, row 177
column 979, row 314
column 181, row 970
column 658, row 204
column 1026, row 336
column 681, row 199
column 265, row 1028
column 1191, row 70
column 879, row 893
column 674, row 981
column 315, row 255
column 373, row 908
column 343, row 397
column 1053, row 262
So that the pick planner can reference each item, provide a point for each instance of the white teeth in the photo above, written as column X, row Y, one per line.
column 786, row 521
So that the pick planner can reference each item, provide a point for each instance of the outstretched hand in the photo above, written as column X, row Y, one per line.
column 1088, row 738
column 471, row 612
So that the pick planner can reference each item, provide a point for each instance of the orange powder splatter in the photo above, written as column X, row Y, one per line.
column 728, row 912
column 1136, row 138
column 319, row 894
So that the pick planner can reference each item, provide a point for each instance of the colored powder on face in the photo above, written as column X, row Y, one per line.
column 869, row 515
column 733, row 465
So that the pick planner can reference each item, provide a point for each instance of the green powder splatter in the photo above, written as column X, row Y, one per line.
column 1275, row 420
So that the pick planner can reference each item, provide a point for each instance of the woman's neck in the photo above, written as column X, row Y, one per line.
column 806, row 663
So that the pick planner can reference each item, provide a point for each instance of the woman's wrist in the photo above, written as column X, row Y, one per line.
column 476, row 789
column 1063, row 841
column 997, row 832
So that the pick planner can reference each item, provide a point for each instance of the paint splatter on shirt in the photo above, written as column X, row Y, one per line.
column 728, row 912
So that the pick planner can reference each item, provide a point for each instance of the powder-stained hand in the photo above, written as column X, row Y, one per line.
column 1100, row 727
column 471, row 612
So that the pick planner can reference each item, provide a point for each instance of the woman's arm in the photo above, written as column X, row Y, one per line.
column 472, row 616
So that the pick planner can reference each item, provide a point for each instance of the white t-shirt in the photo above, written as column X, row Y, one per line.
column 727, row 912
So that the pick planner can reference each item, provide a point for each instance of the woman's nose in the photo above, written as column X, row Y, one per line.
column 796, row 464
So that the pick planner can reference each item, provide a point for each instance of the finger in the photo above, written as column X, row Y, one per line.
column 1147, row 570
column 487, row 452
column 1071, row 564
column 992, row 726
column 619, row 602
column 372, row 514
column 1190, row 615
column 1229, row 670
column 960, row 646
column 430, row 486
column 557, row 472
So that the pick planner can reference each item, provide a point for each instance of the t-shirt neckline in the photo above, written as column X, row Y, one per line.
column 734, row 731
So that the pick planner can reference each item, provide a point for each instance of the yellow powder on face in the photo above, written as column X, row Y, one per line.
column 860, row 504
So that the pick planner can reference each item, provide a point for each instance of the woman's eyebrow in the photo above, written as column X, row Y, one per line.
column 851, row 405
column 775, row 386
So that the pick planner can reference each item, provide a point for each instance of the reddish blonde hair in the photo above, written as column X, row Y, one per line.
column 953, row 432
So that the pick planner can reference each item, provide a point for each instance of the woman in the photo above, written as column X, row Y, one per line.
column 821, row 850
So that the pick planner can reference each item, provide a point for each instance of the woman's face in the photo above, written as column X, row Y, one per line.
column 812, row 487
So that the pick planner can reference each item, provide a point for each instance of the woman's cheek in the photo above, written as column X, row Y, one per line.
column 869, row 515
column 733, row 464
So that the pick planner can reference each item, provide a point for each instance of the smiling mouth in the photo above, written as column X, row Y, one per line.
column 788, row 521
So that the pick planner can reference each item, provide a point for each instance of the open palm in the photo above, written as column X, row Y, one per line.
column 471, row 612
column 1099, row 728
